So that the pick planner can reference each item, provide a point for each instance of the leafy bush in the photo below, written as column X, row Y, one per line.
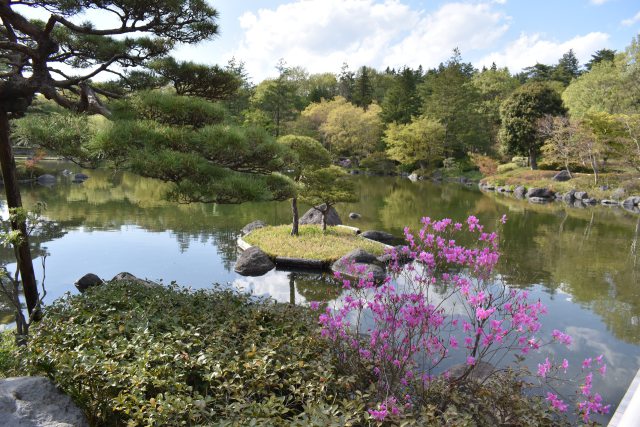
column 507, row 167
column 485, row 164
column 378, row 163
column 521, row 161
column 135, row 355
column 8, row 361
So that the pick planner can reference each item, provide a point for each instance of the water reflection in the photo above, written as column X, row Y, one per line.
column 583, row 263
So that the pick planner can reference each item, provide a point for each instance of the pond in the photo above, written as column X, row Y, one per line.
column 582, row 263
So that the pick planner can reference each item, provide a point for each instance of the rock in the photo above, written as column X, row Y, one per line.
column 539, row 200
column 569, row 196
column 354, row 215
column 559, row 196
column 128, row 277
column 360, row 263
column 618, row 193
column 66, row 172
column 252, row 226
column 563, row 175
column 520, row 191
column 36, row 402
column 580, row 195
column 379, row 236
column 590, row 201
column 314, row 216
column 481, row 371
column 578, row 204
column 46, row 179
column 80, row 177
column 544, row 193
column 609, row 202
column 413, row 177
column 630, row 202
column 87, row 281
column 253, row 262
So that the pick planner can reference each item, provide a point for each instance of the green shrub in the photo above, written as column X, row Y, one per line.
column 522, row 162
column 133, row 355
column 507, row 167
column 378, row 163
column 8, row 359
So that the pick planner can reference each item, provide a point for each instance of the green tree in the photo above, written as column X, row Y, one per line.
column 188, row 78
column 600, row 56
column 322, row 86
column 32, row 53
column 599, row 132
column 560, row 136
column 402, row 102
column 567, row 69
column 450, row 97
column 520, row 113
column 629, row 144
column 421, row 142
column 363, row 88
column 326, row 187
column 305, row 155
column 278, row 98
column 346, row 82
column 352, row 131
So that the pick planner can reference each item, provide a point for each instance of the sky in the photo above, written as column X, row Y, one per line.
column 322, row 35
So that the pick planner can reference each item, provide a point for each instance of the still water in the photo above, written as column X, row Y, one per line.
column 582, row 263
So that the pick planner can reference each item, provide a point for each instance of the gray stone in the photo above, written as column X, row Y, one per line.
column 590, row 201
column 630, row 202
column 539, row 200
column 87, row 281
column 360, row 263
column 253, row 262
column 379, row 236
column 609, row 202
column 563, row 175
column 354, row 215
column 37, row 402
column 252, row 226
column 580, row 195
column 569, row 196
column 578, row 204
column 481, row 371
column 46, row 179
column 520, row 191
column 128, row 277
column 618, row 193
column 413, row 177
column 66, row 172
column 544, row 193
column 80, row 177
column 314, row 216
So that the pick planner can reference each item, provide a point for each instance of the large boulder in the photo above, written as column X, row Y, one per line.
column 354, row 215
column 569, row 196
column 37, row 402
column 87, row 281
column 630, row 202
column 253, row 262
column 46, row 179
column 360, row 263
column 563, row 175
column 543, row 193
column 581, row 195
column 128, row 277
column 314, row 216
column 520, row 191
column 379, row 236
column 252, row 226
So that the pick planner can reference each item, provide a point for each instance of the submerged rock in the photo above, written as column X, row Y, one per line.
column 46, row 179
column 253, row 262
column 252, row 226
column 87, row 281
column 354, row 215
column 520, row 191
column 360, row 263
column 379, row 236
column 314, row 216
column 543, row 193
column 37, row 402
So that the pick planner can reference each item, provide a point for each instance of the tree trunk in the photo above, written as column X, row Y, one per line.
column 23, row 252
column 324, row 219
column 594, row 166
column 294, row 210
column 533, row 161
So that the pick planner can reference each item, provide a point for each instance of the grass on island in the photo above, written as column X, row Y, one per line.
column 311, row 243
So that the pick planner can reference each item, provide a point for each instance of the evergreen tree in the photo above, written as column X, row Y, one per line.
column 402, row 102
column 599, row 56
column 363, row 88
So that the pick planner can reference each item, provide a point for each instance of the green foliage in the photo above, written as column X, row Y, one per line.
column 188, row 78
column 421, row 141
column 378, row 163
column 9, row 365
column 135, row 355
column 520, row 113
column 170, row 109
column 304, row 153
column 402, row 101
column 311, row 243
column 507, row 167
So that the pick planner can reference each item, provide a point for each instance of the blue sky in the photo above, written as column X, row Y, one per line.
column 322, row 34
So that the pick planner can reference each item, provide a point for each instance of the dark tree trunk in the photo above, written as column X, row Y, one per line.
column 294, row 210
column 8, row 164
column 324, row 219
column 533, row 159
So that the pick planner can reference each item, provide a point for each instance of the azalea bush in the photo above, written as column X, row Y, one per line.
column 441, row 304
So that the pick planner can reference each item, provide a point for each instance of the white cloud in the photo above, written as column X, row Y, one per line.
column 322, row 34
column 629, row 22
column 529, row 49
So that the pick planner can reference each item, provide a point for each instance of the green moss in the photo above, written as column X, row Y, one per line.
column 311, row 243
